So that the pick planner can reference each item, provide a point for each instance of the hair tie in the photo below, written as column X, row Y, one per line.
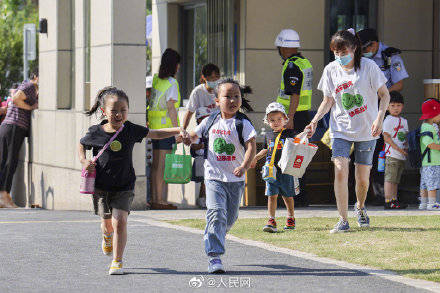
column 351, row 31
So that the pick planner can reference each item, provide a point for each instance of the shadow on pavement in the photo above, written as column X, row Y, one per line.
column 282, row 270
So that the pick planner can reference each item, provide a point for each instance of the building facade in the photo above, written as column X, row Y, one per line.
column 94, row 43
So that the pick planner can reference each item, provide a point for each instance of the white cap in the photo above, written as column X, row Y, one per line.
column 287, row 38
column 274, row 107
column 148, row 82
column 202, row 112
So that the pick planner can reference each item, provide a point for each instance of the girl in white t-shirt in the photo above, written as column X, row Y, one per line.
column 352, row 86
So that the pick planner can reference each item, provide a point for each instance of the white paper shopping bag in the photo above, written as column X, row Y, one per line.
column 297, row 155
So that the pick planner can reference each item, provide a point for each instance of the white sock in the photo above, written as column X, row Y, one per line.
column 431, row 200
column 213, row 257
column 423, row 200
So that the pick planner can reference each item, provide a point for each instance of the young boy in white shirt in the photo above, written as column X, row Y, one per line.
column 231, row 149
column 395, row 129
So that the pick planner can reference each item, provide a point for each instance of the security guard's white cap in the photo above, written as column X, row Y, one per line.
column 288, row 38
column 148, row 82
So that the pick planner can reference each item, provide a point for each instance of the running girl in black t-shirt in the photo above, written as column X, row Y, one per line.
column 115, row 176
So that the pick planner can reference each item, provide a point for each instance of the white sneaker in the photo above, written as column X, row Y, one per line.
column 433, row 207
column 422, row 206
column 116, row 268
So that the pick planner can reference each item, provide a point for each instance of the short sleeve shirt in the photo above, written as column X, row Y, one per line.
column 396, row 72
column 225, row 152
column 18, row 116
column 356, row 99
column 426, row 140
column 200, row 97
column 114, row 168
column 292, row 78
column 397, row 128
column 269, row 143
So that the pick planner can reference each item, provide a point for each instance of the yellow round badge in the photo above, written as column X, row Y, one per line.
column 116, row 146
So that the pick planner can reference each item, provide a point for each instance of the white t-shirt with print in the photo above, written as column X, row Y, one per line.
column 390, row 126
column 200, row 97
column 356, row 99
column 225, row 152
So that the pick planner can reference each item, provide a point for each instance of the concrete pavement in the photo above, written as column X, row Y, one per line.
column 59, row 251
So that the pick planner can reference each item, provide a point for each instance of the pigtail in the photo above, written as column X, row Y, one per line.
column 99, row 102
column 245, row 103
column 357, row 52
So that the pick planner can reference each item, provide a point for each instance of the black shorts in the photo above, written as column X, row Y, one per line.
column 105, row 201
column 164, row 144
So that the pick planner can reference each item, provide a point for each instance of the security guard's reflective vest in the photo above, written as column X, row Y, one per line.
column 305, row 97
column 158, row 116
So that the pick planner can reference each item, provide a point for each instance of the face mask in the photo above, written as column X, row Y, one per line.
column 212, row 84
column 368, row 54
column 344, row 60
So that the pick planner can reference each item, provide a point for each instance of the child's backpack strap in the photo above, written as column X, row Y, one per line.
column 239, row 126
column 427, row 150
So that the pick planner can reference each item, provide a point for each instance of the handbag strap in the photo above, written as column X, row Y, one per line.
column 275, row 146
column 107, row 144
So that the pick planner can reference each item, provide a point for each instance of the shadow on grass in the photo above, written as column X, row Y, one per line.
column 264, row 270
column 397, row 229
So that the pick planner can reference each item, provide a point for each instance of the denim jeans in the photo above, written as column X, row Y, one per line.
column 222, row 201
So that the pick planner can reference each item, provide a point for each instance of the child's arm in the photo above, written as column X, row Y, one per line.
column 434, row 146
column 387, row 138
column 165, row 132
column 261, row 154
column 87, row 164
column 251, row 148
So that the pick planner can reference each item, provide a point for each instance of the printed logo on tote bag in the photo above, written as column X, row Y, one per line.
column 298, row 162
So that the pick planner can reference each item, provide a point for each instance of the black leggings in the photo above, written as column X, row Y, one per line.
column 11, row 139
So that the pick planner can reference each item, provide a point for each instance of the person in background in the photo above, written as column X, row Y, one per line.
column 162, row 113
column 203, row 94
column 13, row 130
column 390, row 62
column 148, row 86
column 430, row 171
column 395, row 129
column 295, row 92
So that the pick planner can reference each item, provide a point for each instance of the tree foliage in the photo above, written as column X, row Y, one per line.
column 13, row 14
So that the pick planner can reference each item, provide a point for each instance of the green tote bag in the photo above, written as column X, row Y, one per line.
column 178, row 168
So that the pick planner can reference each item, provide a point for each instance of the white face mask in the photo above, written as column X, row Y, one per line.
column 212, row 84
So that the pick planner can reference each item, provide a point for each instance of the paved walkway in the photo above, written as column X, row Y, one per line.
column 59, row 251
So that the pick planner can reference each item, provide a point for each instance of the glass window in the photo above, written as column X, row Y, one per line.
column 194, row 46
column 345, row 14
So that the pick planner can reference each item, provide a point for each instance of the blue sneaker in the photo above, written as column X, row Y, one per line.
column 216, row 266
column 340, row 227
column 362, row 217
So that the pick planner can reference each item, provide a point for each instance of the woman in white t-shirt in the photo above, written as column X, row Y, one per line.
column 352, row 86
column 203, row 94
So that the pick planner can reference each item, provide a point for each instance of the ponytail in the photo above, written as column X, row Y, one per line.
column 100, row 98
column 348, row 39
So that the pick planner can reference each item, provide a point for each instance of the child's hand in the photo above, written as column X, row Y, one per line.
column 403, row 152
column 88, row 165
column 239, row 171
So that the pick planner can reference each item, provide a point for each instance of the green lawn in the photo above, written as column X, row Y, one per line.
column 408, row 245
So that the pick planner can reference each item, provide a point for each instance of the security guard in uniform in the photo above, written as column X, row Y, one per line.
column 389, row 61
column 295, row 92
column 387, row 58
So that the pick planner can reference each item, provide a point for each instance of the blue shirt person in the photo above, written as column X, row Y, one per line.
column 387, row 58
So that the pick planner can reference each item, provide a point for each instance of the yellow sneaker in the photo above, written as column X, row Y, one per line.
column 107, row 244
column 116, row 268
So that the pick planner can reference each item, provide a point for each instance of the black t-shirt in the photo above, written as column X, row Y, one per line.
column 269, row 142
column 114, row 168
column 293, row 78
